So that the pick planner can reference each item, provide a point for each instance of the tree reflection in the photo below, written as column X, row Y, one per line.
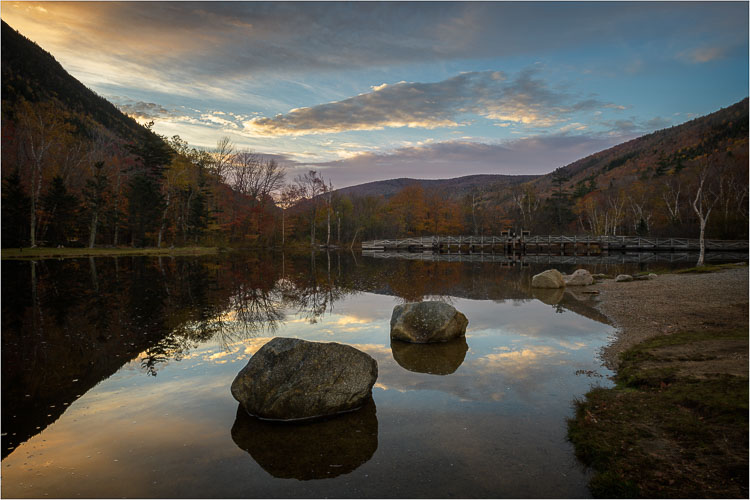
column 83, row 319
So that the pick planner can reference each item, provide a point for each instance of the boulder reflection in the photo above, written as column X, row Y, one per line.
column 309, row 450
column 550, row 296
column 439, row 358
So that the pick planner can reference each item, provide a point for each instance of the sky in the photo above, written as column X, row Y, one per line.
column 379, row 90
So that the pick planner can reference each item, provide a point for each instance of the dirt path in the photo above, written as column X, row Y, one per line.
column 675, row 302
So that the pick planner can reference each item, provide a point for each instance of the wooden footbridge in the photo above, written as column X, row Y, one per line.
column 549, row 245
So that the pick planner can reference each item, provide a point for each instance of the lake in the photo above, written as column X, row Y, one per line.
column 116, row 375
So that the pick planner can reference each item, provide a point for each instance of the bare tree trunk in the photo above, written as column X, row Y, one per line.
column 163, row 221
column 328, row 222
column 702, row 243
column 117, row 209
column 92, row 234
column 702, row 204
column 354, row 239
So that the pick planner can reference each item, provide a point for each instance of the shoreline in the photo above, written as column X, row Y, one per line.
column 61, row 253
column 670, row 303
column 675, row 423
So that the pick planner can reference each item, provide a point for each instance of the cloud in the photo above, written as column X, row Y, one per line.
column 636, row 126
column 703, row 54
column 492, row 94
column 230, row 41
column 144, row 110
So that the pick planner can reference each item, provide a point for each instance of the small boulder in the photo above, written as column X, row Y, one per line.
column 623, row 277
column 580, row 277
column 430, row 321
column 293, row 379
column 551, row 278
column 652, row 275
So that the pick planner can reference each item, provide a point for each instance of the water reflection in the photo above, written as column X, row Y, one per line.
column 69, row 324
column 440, row 358
column 309, row 450
column 550, row 296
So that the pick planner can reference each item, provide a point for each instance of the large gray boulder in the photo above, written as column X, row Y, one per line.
column 293, row 379
column 551, row 278
column 430, row 321
column 580, row 277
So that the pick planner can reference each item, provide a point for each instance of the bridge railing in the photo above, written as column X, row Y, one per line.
column 624, row 242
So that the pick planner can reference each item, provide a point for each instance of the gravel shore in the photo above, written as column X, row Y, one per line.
column 670, row 303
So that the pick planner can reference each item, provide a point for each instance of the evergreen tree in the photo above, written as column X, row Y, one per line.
column 15, row 212
column 60, row 208
column 145, row 204
column 94, row 194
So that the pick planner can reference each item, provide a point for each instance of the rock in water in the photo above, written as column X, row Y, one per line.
column 623, row 277
column 430, row 321
column 580, row 277
column 551, row 278
column 293, row 379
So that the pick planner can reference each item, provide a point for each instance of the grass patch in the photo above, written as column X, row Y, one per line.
column 709, row 268
column 56, row 253
column 661, row 434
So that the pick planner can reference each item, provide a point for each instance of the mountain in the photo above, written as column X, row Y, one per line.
column 458, row 186
column 719, row 138
column 31, row 73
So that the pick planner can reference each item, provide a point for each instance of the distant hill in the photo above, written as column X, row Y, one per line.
column 721, row 137
column 32, row 73
column 458, row 186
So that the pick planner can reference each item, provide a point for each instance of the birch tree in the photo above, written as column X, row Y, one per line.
column 703, row 203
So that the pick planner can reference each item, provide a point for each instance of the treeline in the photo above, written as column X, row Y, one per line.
column 69, row 181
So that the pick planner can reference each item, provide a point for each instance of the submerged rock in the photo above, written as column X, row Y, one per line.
column 551, row 278
column 442, row 358
column 623, row 277
column 580, row 277
column 430, row 321
column 293, row 379
column 309, row 450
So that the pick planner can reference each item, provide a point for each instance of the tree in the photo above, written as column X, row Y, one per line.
column 703, row 203
column 94, row 195
column 145, row 204
column 560, row 198
column 310, row 185
column 43, row 126
column 15, row 211
column 60, row 210
column 223, row 157
column 286, row 199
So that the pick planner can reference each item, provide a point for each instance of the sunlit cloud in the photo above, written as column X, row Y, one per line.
column 523, row 99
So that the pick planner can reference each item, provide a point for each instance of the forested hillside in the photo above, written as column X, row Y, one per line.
column 648, row 185
column 78, row 172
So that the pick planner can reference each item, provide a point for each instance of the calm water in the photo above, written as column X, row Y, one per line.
column 116, row 375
